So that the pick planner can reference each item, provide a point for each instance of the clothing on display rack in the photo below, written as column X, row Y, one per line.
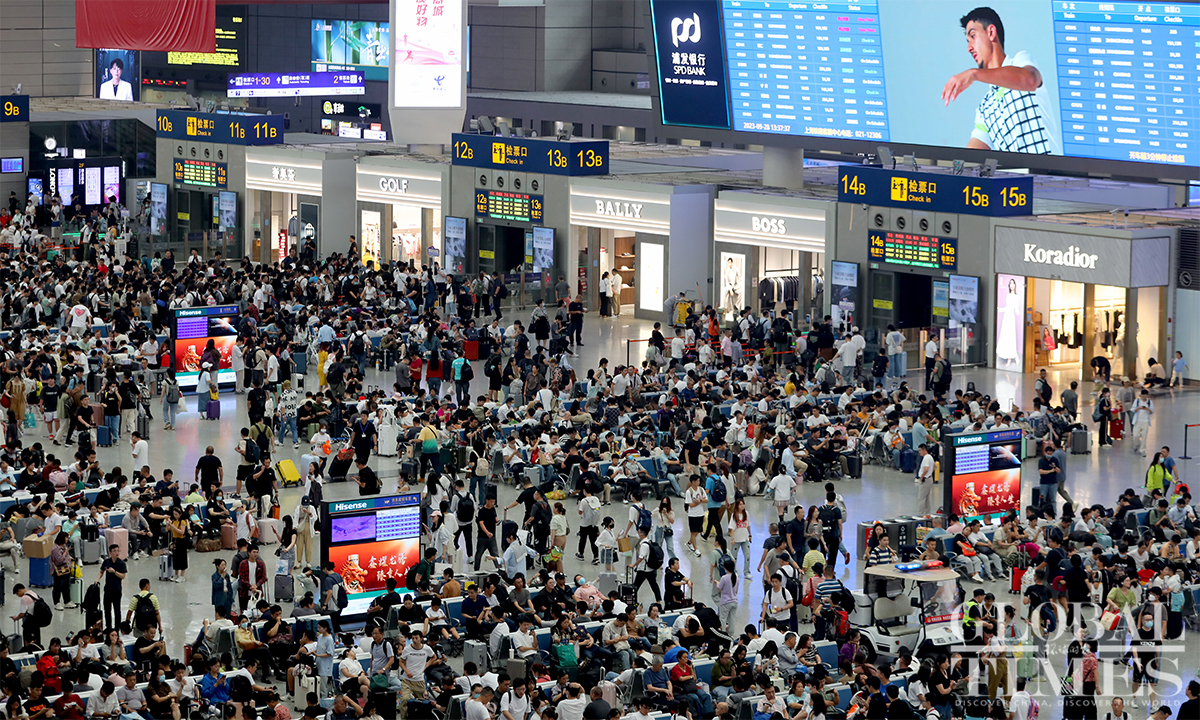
column 778, row 290
column 1076, row 336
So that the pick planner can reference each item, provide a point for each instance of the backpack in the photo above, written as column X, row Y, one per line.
column 828, row 520
column 253, row 453
column 467, row 373
column 725, row 557
column 466, row 508
column 719, row 492
column 240, row 689
column 502, row 291
column 410, row 578
column 263, row 440
column 757, row 332
column 357, row 346
column 736, row 331
column 173, row 393
column 654, row 560
column 41, row 613
column 644, row 520
column 144, row 614
column 1035, row 708
column 841, row 623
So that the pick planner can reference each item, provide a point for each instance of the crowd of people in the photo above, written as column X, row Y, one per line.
column 719, row 423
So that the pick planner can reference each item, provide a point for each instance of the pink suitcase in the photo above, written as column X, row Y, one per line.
column 118, row 537
column 268, row 531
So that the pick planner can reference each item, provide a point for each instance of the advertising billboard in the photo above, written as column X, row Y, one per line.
column 194, row 328
column 429, row 54
column 360, row 45
column 691, row 62
column 1015, row 76
column 369, row 540
column 984, row 470
column 1010, row 322
column 843, row 293
column 117, row 75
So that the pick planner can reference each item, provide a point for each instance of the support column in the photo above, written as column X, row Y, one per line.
column 1129, row 365
column 1089, row 326
column 783, row 167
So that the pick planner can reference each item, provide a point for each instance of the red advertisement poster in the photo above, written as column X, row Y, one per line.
column 986, row 493
column 188, row 352
column 366, row 566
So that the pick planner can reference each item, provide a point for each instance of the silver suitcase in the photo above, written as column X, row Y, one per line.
column 606, row 582
column 92, row 550
column 476, row 651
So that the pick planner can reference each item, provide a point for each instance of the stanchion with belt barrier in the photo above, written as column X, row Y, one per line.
column 629, row 343
column 1185, row 456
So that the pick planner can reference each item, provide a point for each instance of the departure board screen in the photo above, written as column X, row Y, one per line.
column 901, row 248
column 1107, row 80
column 501, row 205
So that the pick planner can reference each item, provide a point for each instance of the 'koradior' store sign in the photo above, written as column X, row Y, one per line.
column 1099, row 256
column 1072, row 257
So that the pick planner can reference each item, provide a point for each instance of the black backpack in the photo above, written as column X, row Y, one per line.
column 357, row 346
column 654, row 560
column 828, row 515
column 263, row 441
column 502, row 291
column 719, row 493
column 41, row 613
column 467, row 373
column 466, row 508
column 253, row 452
column 144, row 614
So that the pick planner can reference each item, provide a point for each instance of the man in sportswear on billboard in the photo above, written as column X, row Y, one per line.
column 1015, row 114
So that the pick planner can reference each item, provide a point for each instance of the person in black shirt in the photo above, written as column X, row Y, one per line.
column 1144, row 644
column 382, row 605
column 113, row 571
column 575, row 326
column 368, row 482
column 485, row 521
column 209, row 473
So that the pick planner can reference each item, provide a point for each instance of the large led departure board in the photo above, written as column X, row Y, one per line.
column 1108, row 80
column 901, row 248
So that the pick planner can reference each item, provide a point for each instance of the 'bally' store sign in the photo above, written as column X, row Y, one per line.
column 611, row 206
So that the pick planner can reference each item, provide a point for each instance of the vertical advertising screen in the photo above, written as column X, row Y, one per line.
column 1010, row 322
column 733, row 284
column 964, row 299
column 456, row 237
column 429, row 53
column 194, row 328
column 691, row 62
column 843, row 293
column 985, row 473
column 542, row 244
column 370, row 540
column 158, row 208
column 227, row 200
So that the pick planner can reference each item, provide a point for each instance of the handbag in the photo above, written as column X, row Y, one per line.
column 624, row 544
column 379, row 681
column 1109, row 620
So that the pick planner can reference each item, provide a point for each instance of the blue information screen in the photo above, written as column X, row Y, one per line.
column 1129, row 80
column 1107, row 80
column 799, row 70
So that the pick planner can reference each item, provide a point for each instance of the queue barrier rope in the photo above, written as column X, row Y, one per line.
column 1185, row 455
column 629, row 345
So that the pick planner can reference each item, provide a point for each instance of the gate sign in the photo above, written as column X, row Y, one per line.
column 936, row 192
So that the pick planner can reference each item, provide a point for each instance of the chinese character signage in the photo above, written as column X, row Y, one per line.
column 220, row 128
column 296, row 84
column 428, row 62
column 691, row 62
column 936, row 192
column 535, row 155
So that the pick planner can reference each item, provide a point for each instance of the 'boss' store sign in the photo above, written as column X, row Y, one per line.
column 794, row 228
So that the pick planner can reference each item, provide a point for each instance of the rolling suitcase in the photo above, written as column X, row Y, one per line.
column 166, row 566
column 1017, row 574
column 288, row 475
column 1081, row 442
column 285, row 588
column 388, row 444
column 103, row 436
column 908, row 461
column 476, row 651
column 229, row 536
column 120, row 538
column 385, row 703
column 471, row 349
column 1116, row 428
column 16, row 641
column 76, row 591
column 97, row 414
column 143, row 425
column 268, row 531
column 91, row 551
column 213, row 410
column 854, row 466
column 409, row 468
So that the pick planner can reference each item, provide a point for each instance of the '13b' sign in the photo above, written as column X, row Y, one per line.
column 691, row 62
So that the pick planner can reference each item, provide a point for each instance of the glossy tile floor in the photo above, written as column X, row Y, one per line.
column 882, row 493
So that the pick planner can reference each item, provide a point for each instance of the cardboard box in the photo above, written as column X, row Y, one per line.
column 38, row 547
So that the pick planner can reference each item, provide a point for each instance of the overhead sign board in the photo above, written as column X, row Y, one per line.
column 247, row 85
column 535, row 155
column 936, row 192
column 220, row 128
column 15, row 108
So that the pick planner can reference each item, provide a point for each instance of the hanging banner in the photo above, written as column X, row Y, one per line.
column 166, row 25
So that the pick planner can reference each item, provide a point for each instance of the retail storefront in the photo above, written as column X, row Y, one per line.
column 283, row 201
column 1066, row 295
column 651, row 240
column 770, row 256
column 400, row 213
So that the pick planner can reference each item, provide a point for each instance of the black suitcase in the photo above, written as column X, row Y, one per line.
column 285, row 589
column 410, row 468
column 854, row 466
column 627, row 593
column 1035, row 497
column 338, row 469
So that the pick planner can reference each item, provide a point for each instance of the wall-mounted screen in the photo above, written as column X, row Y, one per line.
column 158, row 208
column 36, row 188
column 843, row 293
column 456, row 236
column 1010, row 322
column 429, row 54
column 227, row 221
column 96, row 181
column 371, row 540
column 985, row 473
column 12, row 165
column 691, row 64
column 117, row 75
column 964, row 299
column 543, row 248
column 1108, row 80
column 360, row 45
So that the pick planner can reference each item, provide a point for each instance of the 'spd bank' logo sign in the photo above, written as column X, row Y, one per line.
column 685, row 30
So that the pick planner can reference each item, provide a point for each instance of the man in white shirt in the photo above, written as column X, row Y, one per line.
column 514, row 704
column 1019, row 706
column 931, row 349
column 897, row 358
column 476, row 708
column 116, row 88
column 925, row 482
column 140, row 450
column 523, row 641
column 1141, row 411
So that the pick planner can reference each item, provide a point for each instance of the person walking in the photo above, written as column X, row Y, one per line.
column 113, row 571
column 575, row 325
column 171, row 397
column 1142, row 412
column 61, row 567
column 222, row 588
column 606, row 295
column 1048, row 478
column 642, row 566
